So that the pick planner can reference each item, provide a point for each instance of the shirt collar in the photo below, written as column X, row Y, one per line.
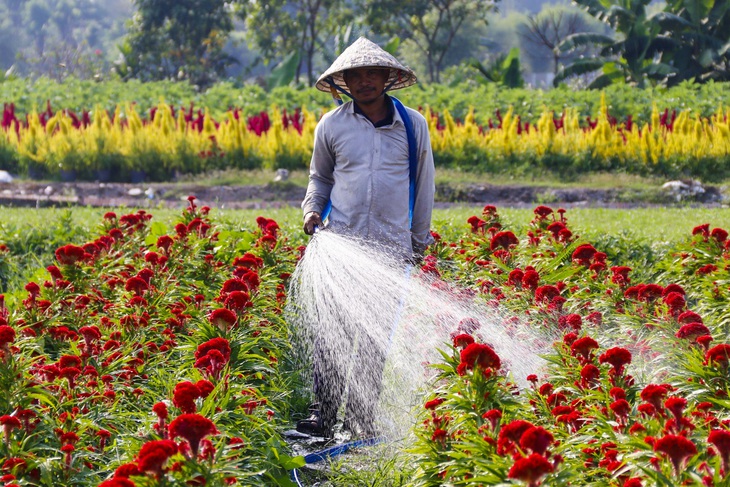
column 388, row 120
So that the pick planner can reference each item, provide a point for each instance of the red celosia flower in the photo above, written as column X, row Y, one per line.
column 531, row 279
column 184, row 396
column 650, row 292
column 633, row 482
column 434, row 403
column 249, row 261
column 511, row 434
column 515, row 277
column 572, row 320
column 205, row 386
column 160, row 409
column 251, row 279
column 704, row 341
column 477, row 354
column 596, row 318
column 677, row 448
column 720, row 439
column 220, row 344
column 546, row 293
column 530, row 469
column 237, row 301
column 570, row 338
column 719, row 354
column 589, row 375
column 542, row 211
column 555, row 228
column 489, row 211
column 620, row 275
column 9, row 422
column 69, row 361
column 477, row 224
column 637, row 427
column 719, row 234
column 654, row 394
column 505, row 240
column 703, row 230
column 583, row 348
column 153, row 455
column 463, row 340
column 618, row 357
column 617, row 393
column 192, row 427
column 440, row 436
column 706, row 269
column 675, row 301
column 493, row 416
column 621, row 408
column 117, row 482
column 536, row 439
column 676, row 405
column 7, row 335
column 233, row 285
column 691, row 331
column 136, row 285
column 583, row 254
column 223, row 318
column 674, row 288
column 126, row 470
column 69, row 254
column 198, row 226
column 689, row 317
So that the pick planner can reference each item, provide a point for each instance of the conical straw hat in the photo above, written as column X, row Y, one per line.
column 366, row 54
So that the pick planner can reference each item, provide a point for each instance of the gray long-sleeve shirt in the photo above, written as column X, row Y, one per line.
column 364, row 171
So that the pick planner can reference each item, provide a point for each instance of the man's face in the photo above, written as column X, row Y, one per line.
column 366, row 84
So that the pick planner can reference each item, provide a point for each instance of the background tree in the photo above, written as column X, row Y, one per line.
column 542, row 33
column 630, row 55
column 178, row 39
column 700, row 35
column 280, row 27
column 430, row 25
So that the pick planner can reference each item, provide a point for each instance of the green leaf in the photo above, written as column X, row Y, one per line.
column 392, row 46
column 581, row 66
column 291, row 463
column 284, row 72
column 698, row 9
column 583, row 39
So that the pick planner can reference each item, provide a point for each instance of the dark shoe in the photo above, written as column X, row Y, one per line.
column 314, row 425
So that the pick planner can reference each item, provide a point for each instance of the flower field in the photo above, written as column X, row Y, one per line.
column 158, row 354
column 149, row 355
column 636, row 387
column 165, row 141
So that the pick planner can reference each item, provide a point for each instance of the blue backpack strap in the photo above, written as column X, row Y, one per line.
column 412, row 155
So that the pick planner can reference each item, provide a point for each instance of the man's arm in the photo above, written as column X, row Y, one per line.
column 425, row 189
column 321, row 180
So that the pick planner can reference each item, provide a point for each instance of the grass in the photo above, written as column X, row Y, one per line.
column 645, row 225
column 444, row 176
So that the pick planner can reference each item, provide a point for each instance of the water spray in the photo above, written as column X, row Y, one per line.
column 359, row 301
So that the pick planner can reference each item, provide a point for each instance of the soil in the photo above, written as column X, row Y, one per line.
column 281, row 194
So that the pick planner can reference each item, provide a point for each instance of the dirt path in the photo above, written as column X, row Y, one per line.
column 174, row 195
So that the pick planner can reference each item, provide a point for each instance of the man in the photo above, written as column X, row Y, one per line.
column 379, row 187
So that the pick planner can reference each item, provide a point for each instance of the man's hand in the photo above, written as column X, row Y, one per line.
column 311, row 220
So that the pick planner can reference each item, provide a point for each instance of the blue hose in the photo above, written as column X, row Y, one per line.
column 333, row 451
